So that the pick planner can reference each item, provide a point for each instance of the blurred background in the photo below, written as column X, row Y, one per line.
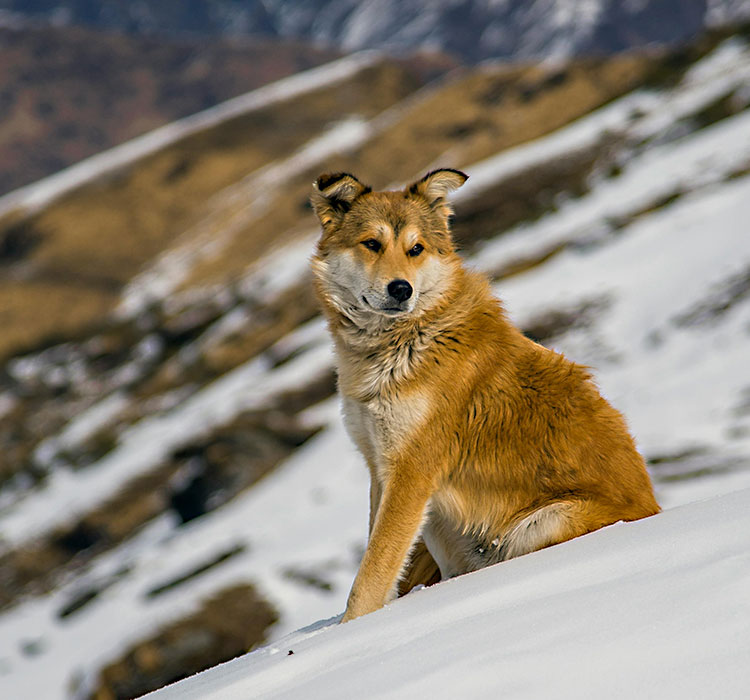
column 175, row 483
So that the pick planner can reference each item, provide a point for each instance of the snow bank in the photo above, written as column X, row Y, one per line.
column 656, row 608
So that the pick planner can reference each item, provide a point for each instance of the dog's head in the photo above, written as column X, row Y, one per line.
column 384, row 253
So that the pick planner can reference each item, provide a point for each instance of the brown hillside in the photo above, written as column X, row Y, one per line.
column 469, row 117
column 69, row 92
column 62, row 268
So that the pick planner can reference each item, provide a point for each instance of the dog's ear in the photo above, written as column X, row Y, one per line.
column 333, row 195
column 435, row 186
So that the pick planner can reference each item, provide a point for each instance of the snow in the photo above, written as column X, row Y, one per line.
column 656, row 608
column 280, row 269
column 41, row 193
column 82, row 427
column 320, row 531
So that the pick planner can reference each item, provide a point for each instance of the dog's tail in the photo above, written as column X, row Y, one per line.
column 421, row 569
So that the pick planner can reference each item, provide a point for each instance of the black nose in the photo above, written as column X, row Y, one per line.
column 400, row 290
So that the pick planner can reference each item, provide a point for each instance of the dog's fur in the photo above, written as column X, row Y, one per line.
column 487, row 444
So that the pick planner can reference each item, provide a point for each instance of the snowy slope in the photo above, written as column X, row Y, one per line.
column 661, row 254
column 657, row 608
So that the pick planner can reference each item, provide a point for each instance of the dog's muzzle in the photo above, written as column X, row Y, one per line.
column 396, row 299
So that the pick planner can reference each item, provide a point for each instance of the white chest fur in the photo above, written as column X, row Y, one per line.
column 381, row 428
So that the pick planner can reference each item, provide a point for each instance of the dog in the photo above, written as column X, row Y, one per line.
column 482, row 445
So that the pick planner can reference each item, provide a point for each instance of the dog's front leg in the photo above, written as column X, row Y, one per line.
column 397, row 522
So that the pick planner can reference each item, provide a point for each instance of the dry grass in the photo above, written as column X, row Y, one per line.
column 34, row 313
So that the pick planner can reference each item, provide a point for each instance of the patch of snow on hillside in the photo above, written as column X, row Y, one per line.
column 67, row 493
column 637, row 116
column 81, row 427
column 694, row 162
column 725, row 69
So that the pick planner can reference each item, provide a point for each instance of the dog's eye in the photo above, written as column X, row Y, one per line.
column 372, row 244
column 416, row 250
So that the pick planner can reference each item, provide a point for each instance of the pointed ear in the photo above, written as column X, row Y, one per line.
column 435, row 186
column 333, row 195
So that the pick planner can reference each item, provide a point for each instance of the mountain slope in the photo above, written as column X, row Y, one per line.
column 180, row 453
column 77, row 254
column 69, row 92
column 475, row 30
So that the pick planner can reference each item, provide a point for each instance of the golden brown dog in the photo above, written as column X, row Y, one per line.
column 487, row 444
